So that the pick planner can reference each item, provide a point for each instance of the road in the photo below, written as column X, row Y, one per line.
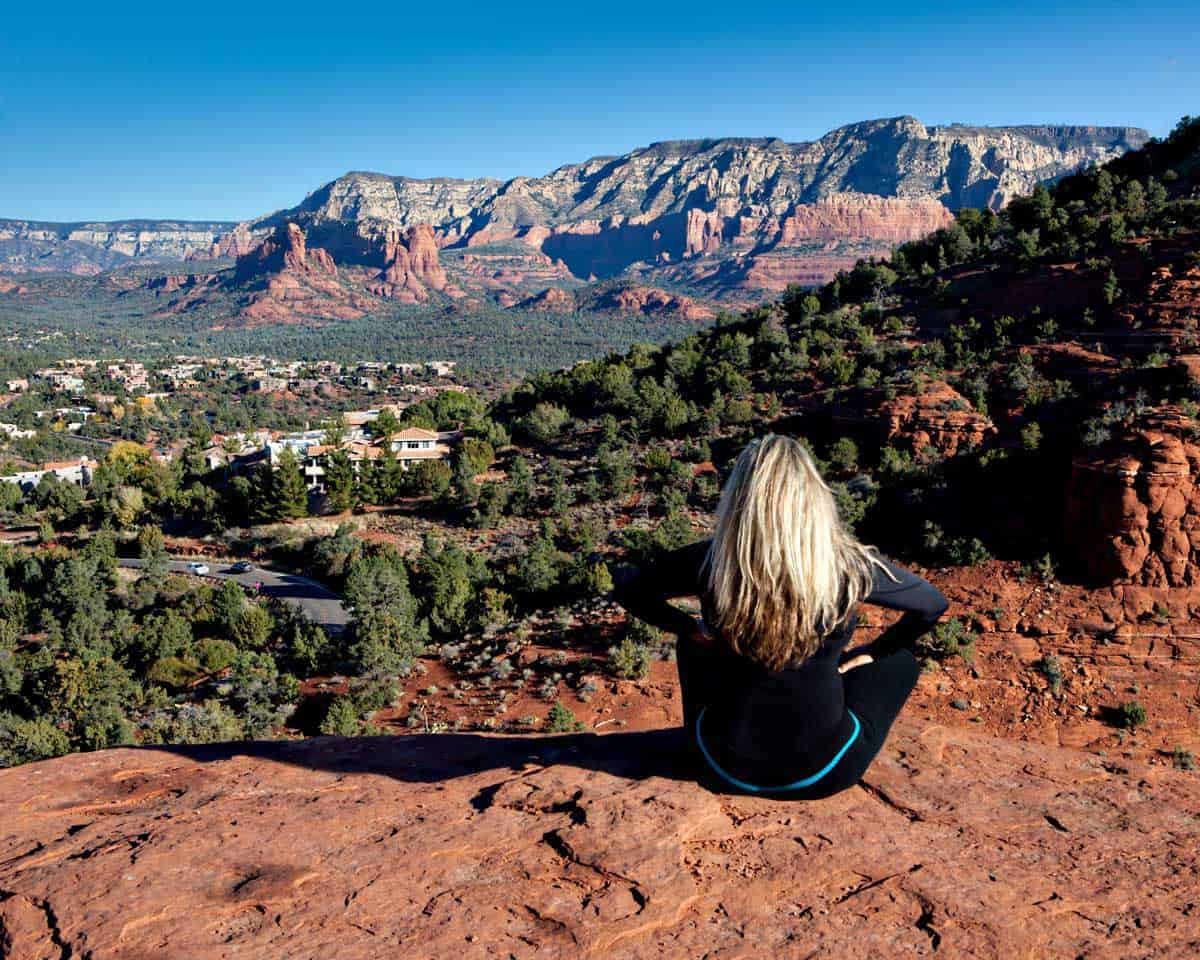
column 322, row 605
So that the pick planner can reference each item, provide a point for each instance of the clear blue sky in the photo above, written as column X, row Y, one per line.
column 207, row 110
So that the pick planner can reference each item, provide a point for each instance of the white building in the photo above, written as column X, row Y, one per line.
column 78, row 472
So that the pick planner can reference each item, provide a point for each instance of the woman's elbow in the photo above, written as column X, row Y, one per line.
column 938, row 606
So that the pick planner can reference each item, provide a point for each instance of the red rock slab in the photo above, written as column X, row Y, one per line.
column 466, row 846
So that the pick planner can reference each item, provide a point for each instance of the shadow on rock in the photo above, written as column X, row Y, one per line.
column 429, row 758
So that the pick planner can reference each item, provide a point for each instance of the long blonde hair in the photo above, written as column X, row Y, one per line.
column 783, row 570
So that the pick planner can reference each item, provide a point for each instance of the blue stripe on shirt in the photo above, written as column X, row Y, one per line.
column 799, row 784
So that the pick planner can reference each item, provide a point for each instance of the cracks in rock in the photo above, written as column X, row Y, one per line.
column 870, row 884
column 1056, row 823
column 883, row 797
column 245, row 881
column 134, row 840
column 925, row 924
column 556, row 842
column 65, row 950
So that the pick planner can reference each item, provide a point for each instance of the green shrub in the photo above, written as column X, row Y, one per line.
column 23, row 741
column 630, row 659
column 1051, row 669
column 561, row 720
column 216, row 654
column 1182, row 759
column 342, row 718
column 951, row 638
column 175, row 672
column 1131, row 715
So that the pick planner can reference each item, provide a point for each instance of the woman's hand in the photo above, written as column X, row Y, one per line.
column 861, row 660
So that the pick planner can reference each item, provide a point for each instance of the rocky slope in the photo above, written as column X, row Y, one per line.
column 591, row 846
column 88, row 248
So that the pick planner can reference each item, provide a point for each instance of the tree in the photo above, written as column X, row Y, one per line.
column 537, row 570
column 339, row 480
column 335, row 431
column 153, row 553
column 446, row 586
column 124, row 506
column 385, row 426
column 387, row 636
column 428, row 478
column 252, row 628
column 478, row 454
column 520, row 486
column 229, row 600
column 465, row 488
column 1111, row 289
column 289, row 495
column 545, row 422
column 61, row 499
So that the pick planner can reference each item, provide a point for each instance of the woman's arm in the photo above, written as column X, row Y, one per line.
column 676, row 574
column 922, row 603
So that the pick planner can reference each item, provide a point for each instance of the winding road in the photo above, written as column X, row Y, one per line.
column 322, row 605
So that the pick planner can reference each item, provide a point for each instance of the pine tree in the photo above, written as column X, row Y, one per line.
column 289, row 495
column 339, row 480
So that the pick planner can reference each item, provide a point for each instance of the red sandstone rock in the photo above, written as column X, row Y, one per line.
column 411, row 265
column 553, row 299
column 651, row 301
column 467, row 846
column 939, row 417
column 1133, row 509
column 703, row 232
column 844, row 215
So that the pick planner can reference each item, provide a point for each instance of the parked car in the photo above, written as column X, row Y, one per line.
column 242, row 566
column 199, row 569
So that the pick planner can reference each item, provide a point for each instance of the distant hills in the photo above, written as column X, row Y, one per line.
column 716, row 221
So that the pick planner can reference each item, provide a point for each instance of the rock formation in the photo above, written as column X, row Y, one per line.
column 725, row 219
column 410, row 265
column 938, row 417
column 464, row 846
column 88, row 248
column 1133, row 509
column 284, row 280
column 866, row 187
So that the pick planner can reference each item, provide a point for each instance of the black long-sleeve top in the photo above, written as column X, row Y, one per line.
column 788, row 720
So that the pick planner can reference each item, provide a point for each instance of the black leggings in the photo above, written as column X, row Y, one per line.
column 875, row 693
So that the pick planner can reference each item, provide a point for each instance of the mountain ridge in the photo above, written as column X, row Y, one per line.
column 726, row 220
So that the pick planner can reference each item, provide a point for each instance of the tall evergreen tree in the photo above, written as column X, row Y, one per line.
column 289, row 495
column 339, row 480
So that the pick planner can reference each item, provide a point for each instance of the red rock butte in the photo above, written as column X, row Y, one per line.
column 468, row 846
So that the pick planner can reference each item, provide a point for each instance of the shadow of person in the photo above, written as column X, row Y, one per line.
column 435, row 757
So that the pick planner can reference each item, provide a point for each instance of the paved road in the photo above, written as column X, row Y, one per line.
column 323, row 606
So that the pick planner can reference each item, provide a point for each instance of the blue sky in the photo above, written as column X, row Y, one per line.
column 210, row 110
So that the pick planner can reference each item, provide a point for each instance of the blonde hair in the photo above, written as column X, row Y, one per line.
column 783, row 570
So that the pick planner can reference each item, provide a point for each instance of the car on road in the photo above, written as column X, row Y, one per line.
column 199, row 569
column 242, row 566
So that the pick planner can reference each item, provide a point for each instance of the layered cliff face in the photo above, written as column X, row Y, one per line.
column 726, row 220
column 761, row 203
column 89, row 248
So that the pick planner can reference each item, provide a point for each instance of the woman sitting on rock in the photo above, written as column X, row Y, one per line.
column 774, row 703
